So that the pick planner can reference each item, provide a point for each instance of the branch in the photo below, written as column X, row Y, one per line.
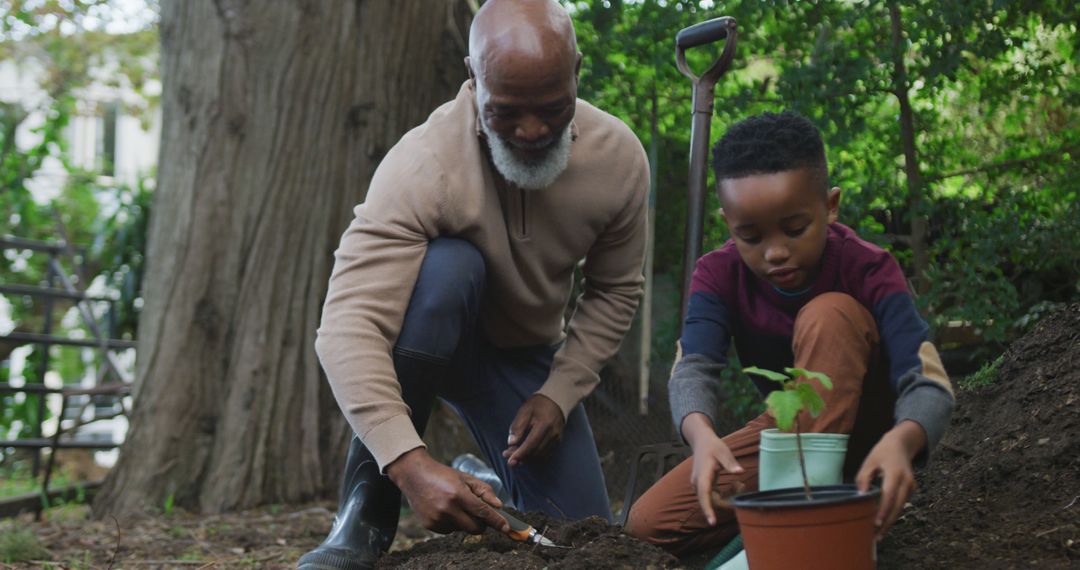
column 1005, row 165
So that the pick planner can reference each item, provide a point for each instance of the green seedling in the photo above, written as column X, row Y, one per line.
column 786, row 404
column 167, row 505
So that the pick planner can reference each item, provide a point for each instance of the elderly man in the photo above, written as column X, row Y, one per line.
column 452, row 281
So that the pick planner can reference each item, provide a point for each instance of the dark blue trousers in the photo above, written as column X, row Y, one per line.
column 487, row 385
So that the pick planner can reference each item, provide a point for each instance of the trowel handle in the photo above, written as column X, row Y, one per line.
column 703, row 33
column 519, row 530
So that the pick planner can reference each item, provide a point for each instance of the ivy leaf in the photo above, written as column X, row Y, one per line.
column 774, row 376
column 819, row 376
column 784, row 405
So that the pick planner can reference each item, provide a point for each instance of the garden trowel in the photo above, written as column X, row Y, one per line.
column 522, row 531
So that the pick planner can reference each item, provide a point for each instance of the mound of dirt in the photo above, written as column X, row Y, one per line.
column 1003, row 489
column 593, row 543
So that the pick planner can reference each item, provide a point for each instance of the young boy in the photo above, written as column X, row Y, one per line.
column 793, row 288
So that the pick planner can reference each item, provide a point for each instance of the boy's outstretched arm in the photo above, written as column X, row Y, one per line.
column 890, row 460
column 711, row 455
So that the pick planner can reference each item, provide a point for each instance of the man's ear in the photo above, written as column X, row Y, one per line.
column 577, row 68
column 468, row 68
column 832, row 202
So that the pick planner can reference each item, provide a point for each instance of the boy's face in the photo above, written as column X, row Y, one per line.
column 779, row 223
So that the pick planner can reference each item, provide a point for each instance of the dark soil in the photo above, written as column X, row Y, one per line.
column 1003, row 490
column 594, row 544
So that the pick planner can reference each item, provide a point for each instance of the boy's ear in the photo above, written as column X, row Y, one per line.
column 832, row 202
column 723, row 215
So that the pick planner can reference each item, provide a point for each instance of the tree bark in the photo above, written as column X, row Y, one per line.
column 920, row 257
column 275, row 115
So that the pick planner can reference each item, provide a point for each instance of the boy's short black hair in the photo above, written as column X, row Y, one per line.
column 770, row 143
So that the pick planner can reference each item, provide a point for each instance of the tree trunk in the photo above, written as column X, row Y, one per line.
column 275, row 115
column 916, row 186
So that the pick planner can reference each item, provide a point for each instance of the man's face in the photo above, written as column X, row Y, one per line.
column 779, row 223
column 526, row 111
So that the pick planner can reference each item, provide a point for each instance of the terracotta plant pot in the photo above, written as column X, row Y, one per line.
column 782, row 530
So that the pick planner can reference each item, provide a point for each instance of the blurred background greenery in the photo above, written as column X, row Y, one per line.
column 953, row 128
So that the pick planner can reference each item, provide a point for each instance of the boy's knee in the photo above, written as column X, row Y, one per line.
column 639, row 525
column 834, row 313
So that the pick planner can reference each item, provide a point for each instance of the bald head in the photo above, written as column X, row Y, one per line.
column 522, row 35
column 523, row 61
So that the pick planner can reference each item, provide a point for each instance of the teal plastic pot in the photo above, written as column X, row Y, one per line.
column 779, row 466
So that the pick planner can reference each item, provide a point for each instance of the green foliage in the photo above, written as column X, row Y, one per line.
column 985, row 376
column 794, row 396
column 995, row 98
column 67, row 45
column 16, row 479
column 20, row 545
column 740, row 396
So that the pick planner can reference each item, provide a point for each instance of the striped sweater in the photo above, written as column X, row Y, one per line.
column 729, row 303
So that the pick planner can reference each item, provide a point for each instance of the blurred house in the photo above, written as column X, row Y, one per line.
column 114, row 130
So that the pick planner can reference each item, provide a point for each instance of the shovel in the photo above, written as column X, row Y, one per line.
column 704, row 33
column 700, row 34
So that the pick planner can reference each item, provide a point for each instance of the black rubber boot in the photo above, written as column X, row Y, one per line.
column 370, row 503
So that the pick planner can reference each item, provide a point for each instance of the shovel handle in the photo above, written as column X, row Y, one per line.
column 722, row 28
column 703, row 33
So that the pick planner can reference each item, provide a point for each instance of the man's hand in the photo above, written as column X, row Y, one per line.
column 446, row 499
column 890, row 460
column 537, row 427
column 711, row 455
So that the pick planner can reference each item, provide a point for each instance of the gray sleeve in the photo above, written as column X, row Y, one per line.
column 695, row 387
column 927, row 402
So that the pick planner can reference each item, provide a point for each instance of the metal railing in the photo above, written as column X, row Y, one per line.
column 111, row 379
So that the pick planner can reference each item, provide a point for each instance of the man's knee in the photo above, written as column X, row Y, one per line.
column 446, row 298
column 452, row 276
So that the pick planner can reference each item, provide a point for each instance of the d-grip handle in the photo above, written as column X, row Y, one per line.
column 722, row 28
column 703, row 33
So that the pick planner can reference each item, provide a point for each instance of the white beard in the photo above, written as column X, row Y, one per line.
column 529, row 174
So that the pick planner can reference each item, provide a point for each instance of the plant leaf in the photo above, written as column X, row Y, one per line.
column 784, row 405
column 774, row 376
column 810, row 398
column 819, row 376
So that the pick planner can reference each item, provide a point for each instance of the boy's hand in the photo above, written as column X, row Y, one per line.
column 711, row 455
column 890, row 460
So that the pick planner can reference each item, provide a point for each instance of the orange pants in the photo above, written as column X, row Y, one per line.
column 833, row 334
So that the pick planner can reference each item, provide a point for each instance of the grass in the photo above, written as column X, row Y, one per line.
column 20, row 546
column 983, row 377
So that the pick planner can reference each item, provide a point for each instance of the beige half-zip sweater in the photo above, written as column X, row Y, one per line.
column 437, row 181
